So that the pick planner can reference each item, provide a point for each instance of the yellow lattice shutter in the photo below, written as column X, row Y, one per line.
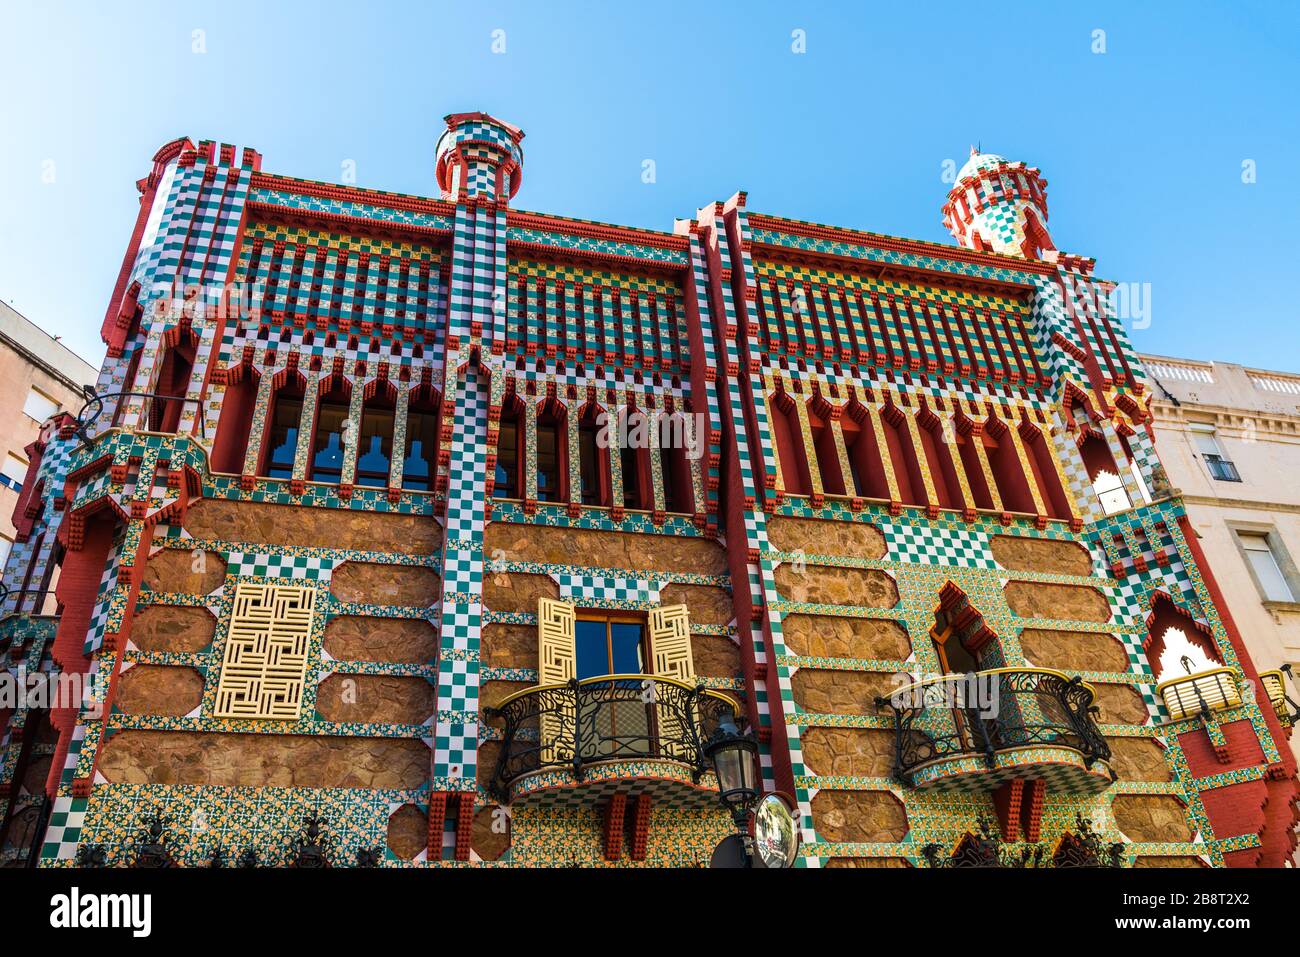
column 556, row 664
column 264, row 668
column 670, row 648
column 670, row 642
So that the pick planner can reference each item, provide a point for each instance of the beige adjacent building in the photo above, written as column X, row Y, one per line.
column 39, row 376
column 1229, row 438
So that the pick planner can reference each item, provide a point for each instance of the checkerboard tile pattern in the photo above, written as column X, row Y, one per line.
column 931, row 545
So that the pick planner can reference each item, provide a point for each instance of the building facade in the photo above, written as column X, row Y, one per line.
column 39, row 377
column 361, row 575
column 1230, row 440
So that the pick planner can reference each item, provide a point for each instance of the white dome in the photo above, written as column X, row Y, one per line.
column 979, row 161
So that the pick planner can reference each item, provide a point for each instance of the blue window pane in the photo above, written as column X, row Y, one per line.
column 373, row 466
column 626, row 639
column 591, row 649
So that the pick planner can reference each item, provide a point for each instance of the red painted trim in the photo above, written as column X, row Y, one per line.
column 1278, row 838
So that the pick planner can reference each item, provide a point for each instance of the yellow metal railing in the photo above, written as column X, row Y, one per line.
column 1215, row 690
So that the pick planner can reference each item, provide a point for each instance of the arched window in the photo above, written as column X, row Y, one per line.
column 423, row 423
column 593, row 459
column 552, row 453
column 787, row 433
column 1008, row 472
column 327, row 439
column 282, row 425
column 675, row 440
column 938, row 436
column 173, row 380
column 1173, row 635
column 634, row 457
column 1107, row 485
column 1039, row 451
column 968, row 446
column 375, row 438
column 508, row 477
column 907, row 467
column 865, row 464
column 237, row 404
column 828, row 457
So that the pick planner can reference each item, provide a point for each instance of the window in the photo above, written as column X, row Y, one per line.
column 14, row 472
column 6, row 544
column 1110, row 492
column 327, row 448
column 282, row 441
column 420, row 461
column 375, row 448
column 39, row 406
column 507, row 469
column 1263, row 562
column 548, row 459
column 609, row 645
column 1220, row 466
column 593, row 461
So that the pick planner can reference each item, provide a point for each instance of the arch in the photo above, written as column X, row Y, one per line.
column 593, row 455
column 1038, row 450
column 1165, row 618
column 866, row 467
column 937, row 438
column 375, row 435
column 283, row 423
column 1008, row 470
column 820, row 424
column 962, row 639
column 508, row 475
column 1103, row 473
column 238, row 403
column 674, row 463
column 903, row 454
column 423, row 437
column 634, row 459
column 333, row 403
column 552, row 467
column 173, row 380
column 787, row 434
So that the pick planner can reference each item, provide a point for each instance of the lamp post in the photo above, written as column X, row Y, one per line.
column 734, row 757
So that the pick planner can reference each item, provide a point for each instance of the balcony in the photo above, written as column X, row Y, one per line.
column 578, row 742
column 1202, row 693
column 1275, row 687
column 977, row 731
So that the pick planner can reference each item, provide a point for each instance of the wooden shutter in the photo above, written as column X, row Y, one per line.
column 670, row 647
column 556, row 664
column 670, row 642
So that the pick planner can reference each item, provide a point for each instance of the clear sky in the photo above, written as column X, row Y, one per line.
column 1143, row 145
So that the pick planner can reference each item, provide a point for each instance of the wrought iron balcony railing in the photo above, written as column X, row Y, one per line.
column 988, row 712
column 606, row 718
column 87, row 420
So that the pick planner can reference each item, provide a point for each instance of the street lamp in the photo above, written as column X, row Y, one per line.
column 734, row 757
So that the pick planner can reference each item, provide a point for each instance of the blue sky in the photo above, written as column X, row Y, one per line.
column 1142, row 145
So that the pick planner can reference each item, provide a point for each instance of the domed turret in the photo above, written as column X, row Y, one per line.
column 479, row 157
column 999, row 206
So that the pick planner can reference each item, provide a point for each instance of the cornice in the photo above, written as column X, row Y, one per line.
column 918, row 247
column 353, row 194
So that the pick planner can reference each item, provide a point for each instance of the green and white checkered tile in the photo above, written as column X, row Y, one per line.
column 63, row 833
column 264, row 565
column 938, row 546
column 596, row 587
column 457, row 749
